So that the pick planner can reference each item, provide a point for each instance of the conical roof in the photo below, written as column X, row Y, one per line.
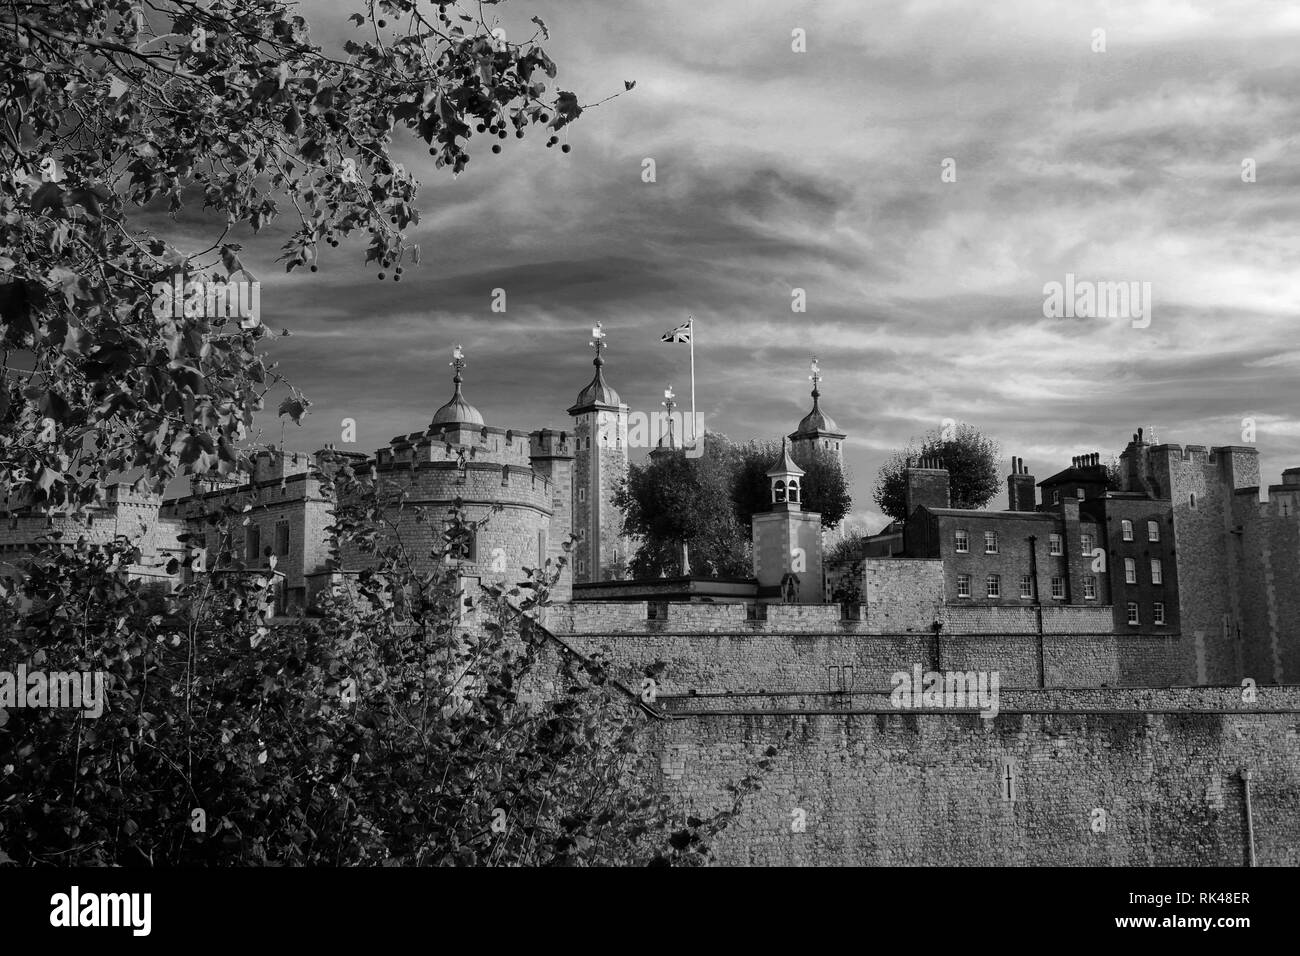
column 597, row 392
column 785, row 466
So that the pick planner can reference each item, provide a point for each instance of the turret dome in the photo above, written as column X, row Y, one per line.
column 457, row 411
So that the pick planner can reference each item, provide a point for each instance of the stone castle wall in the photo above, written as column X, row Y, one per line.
column 876, row 786
column 715, row 649
column 1268, row 549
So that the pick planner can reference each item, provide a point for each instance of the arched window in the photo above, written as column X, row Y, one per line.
column 794, row 490
column 778, row 490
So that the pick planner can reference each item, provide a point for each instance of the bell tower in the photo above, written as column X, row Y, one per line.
column 788, row 540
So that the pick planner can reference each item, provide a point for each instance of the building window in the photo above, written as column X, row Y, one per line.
column 1026, row 586
column 582, row 494
column 1085, row 543
column 1055, row 544
column 1133, row 612
column 253, row 542
column 1058, row 589
column 1007, row 780
column 282, row 537
column 1191, row 501
column 1056, row 496
column 1078, row 493
column 1158, row 613
column 1157, row 572
column 990, row 542
column 463, row 546
column 963, row 585
column 1090, row 588
column 963, row 542
column 1130, row 571
column 1153, row 530
column 1126, row 529
column 994, row 586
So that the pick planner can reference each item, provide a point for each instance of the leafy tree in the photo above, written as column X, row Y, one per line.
column 847, row 557
column 386, row 730
column 1114, row 474
column 847, row 549
column 971, row 460
column 116, row 108
column 708, row 503
column 389, row 731
column 672, row 499
column 825, row 483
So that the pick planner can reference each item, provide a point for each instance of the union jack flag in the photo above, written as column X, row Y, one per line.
column 680, row 334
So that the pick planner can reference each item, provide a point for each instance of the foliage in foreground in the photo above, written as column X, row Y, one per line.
column 385, row 732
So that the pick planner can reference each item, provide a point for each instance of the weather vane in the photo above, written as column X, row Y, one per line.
column 457, row 360
column 816, row 376
column 598, row 340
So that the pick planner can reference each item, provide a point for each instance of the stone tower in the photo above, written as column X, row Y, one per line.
column 487, row 468
column 599, row 464
column 817, row 430
column 1201, row 484
column 788, row 541
column 551, row 453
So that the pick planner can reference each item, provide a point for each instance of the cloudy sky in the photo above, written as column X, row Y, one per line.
column 822, row 170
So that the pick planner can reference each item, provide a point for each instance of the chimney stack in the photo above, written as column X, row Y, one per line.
column 925, row 483
column 1020, row 487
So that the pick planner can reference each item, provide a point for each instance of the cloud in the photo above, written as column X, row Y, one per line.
column 820, row 171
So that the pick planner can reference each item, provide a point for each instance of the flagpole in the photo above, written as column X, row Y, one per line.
column 694, row 437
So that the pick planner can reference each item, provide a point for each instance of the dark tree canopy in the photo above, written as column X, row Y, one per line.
column 970, row 457
column 118, row 111
column 708, row 502
column 825, row 484
column 672, row 499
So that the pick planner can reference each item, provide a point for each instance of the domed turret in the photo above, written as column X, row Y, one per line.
column 458, row 410
column 598, row 392
column 817, row 429
column 816, row 421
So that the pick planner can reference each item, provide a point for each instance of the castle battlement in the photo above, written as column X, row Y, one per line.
column 1208, row 454
column 499, row 445
column 1280, row 501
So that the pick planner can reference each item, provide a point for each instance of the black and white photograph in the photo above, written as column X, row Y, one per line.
column 744, row 435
